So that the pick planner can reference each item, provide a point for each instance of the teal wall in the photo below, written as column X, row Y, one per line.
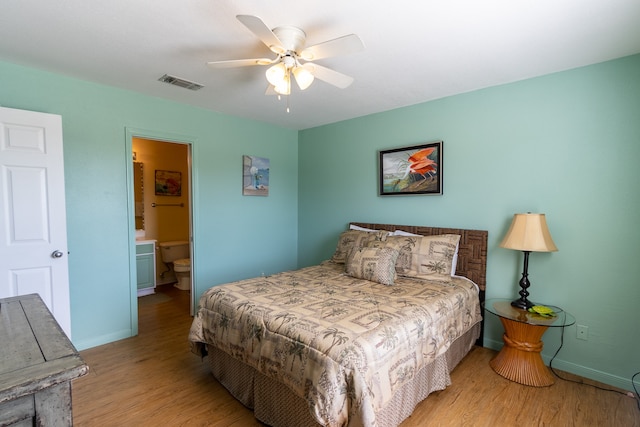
column 565, row 144
column 236, row 236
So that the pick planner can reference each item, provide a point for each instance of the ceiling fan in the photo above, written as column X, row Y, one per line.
column 292, row 57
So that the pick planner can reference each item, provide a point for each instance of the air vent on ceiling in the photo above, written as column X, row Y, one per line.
column 177, row 81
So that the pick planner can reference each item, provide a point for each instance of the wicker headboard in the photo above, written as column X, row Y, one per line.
column 472, row 251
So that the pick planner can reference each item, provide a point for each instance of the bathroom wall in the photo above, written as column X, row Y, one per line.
column 164, row 223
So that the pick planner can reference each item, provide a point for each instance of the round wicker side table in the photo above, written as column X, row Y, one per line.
column 520, row 360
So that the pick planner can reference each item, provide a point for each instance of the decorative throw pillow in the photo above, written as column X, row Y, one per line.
column 454, row 262
column 351, row 239
column 423, row 256
column 374, row 264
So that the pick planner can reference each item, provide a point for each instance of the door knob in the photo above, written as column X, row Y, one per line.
column 56, row 254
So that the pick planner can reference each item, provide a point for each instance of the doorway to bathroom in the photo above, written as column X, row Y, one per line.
column 161, row 207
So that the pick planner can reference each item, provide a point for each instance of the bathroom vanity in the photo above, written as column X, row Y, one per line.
column 146, row 266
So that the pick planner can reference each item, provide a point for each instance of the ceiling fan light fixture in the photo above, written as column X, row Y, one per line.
column 303, row 77
column 289, row 44
column 284, row 86
column 276, row 74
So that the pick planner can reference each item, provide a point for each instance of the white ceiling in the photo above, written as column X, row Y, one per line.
column 415, row 51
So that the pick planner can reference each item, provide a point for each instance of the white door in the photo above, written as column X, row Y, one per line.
column 33, row 229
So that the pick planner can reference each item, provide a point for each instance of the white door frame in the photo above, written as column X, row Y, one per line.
column 190, row 141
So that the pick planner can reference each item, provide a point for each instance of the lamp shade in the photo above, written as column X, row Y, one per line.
column 529, row 232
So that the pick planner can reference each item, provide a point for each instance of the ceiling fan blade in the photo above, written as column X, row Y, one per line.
column 328, row 75
column 342, row 45
column 264, row 33
column 239, row 63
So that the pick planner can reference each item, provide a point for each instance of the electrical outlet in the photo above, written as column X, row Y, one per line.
column 582, row 332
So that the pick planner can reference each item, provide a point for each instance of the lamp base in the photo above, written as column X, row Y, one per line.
column 522, row 303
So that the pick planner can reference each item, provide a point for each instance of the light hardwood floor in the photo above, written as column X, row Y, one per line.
column 154, row 380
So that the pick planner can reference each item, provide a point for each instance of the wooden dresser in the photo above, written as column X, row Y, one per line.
column 37, row 364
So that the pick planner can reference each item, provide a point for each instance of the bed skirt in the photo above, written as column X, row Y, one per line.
column 275, row 405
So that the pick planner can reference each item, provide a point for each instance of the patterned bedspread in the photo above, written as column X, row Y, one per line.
column 343, row 344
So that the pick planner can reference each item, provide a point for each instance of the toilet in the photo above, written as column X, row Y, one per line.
column 182, row 268
column 176, row 255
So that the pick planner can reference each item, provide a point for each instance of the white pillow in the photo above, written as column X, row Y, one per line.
column 355, row 227
column 454, row 262
column 403, row 233
column 368, row 230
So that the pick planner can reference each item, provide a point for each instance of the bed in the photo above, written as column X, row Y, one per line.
column 358, row 340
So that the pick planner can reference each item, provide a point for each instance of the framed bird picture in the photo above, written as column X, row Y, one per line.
column 411, row 170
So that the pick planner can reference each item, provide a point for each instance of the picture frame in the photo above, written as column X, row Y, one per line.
column 168, row 183
column 255, row 176
column 413, row 170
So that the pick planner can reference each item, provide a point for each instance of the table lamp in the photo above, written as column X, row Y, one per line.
column 528, row 233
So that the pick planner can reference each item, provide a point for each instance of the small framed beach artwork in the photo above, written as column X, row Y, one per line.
column 168, row 183
column 255, row 176
column 411, row 170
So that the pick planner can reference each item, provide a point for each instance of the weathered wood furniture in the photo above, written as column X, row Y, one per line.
column 37, row 364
